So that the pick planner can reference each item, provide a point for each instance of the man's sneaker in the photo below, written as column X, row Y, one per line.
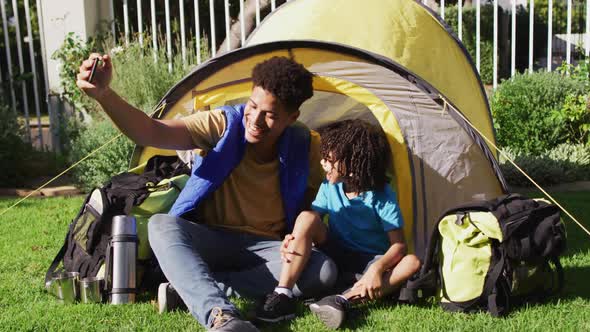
column 168, row 299
column 331, row 310
column 224, row 321
column 277, row 307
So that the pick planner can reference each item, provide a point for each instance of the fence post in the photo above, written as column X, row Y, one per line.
column 64, row 16
column 61, row 17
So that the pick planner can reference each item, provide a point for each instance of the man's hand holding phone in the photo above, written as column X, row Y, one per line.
column 95, row 75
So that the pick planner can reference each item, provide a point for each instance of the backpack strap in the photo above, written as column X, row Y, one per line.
column 493, row 283
column 425, row 281
column 62, row 252
column 560, row 274
column 56, row 261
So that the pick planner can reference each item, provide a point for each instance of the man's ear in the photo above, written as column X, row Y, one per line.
column 294, row 116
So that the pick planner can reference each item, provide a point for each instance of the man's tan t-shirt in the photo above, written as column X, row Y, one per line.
column 250, row 198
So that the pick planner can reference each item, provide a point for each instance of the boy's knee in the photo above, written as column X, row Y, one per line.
column 412, row 263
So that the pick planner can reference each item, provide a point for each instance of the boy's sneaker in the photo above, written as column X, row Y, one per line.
column 331, row 310
column 168, row 299
column 277, row 307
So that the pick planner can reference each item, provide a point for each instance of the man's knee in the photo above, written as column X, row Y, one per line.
column 328, row 272
column 159, row 227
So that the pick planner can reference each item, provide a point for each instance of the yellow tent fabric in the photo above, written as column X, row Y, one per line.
column 402, row 30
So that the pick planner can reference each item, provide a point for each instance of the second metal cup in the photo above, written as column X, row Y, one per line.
column 91, row 290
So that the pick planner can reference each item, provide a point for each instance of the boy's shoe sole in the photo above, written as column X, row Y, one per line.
column 275, row 320
column 330, row 316
column 162, row 298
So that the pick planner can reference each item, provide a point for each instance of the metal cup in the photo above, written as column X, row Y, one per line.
column 91, row 290
column 65, row 286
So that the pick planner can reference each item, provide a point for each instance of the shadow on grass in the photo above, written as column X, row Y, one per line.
column 576, row 283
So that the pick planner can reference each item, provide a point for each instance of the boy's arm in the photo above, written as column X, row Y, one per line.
column 394, row 254
column 372, row 282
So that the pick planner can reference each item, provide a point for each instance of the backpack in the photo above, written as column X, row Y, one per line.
column 143, row 191
column 492, row 255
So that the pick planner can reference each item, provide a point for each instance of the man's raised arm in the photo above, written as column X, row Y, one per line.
column 135, row 124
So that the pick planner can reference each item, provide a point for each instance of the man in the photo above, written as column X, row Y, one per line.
column 223, row 234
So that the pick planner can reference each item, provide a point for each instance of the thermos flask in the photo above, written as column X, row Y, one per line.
column 124, row 255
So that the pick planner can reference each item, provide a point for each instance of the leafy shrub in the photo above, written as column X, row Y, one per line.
column 12, row 147
column 524, row 106
column 559, row 16
column 564, row 163
column 20, row 162
column 71, row 54
column 142, row 82
column 579, row 72
column 574, row 119
column 108, row 161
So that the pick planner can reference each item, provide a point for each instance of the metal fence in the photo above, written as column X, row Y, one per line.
column 23, row 72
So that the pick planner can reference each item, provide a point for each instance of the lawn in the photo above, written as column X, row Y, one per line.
column 32, row 233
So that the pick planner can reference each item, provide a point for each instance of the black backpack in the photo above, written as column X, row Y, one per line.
column 86, row 246
column 492, row 255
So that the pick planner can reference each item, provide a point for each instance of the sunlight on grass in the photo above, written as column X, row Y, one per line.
column 33, row 232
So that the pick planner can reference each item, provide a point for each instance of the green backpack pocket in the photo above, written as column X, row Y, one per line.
column 465, row 255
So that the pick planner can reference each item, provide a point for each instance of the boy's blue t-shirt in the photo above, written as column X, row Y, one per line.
column 360, row 224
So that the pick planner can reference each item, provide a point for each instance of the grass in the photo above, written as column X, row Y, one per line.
column 33, row 232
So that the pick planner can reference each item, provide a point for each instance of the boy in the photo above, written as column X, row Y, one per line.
column 364, row 233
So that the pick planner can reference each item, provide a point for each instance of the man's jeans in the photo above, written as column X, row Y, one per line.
column 205, row 264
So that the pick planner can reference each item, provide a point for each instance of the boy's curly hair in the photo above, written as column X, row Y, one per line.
column 362, row 152
column 286, row 79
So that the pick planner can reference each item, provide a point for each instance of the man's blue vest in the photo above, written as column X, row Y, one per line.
column 210, row 172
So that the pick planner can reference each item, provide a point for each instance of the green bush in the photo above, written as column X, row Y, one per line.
column 574, row 119
column 564, row 163
column 108, row 161
column 524, row 110
column 560, row 16
column 70, row 55
column 12, row 147
column 142, row 82
column 20, row 162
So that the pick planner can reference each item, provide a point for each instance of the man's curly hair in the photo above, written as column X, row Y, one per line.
column 286, row 79
column 362, row 152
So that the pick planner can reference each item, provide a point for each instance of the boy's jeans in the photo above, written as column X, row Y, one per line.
column 205, row 264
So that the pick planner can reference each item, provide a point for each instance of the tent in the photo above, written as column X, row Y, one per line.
column 390, row 62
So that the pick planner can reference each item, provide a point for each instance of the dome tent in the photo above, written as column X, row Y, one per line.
column 438, row 160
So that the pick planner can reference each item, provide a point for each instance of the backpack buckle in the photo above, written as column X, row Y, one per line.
column 460, row 221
